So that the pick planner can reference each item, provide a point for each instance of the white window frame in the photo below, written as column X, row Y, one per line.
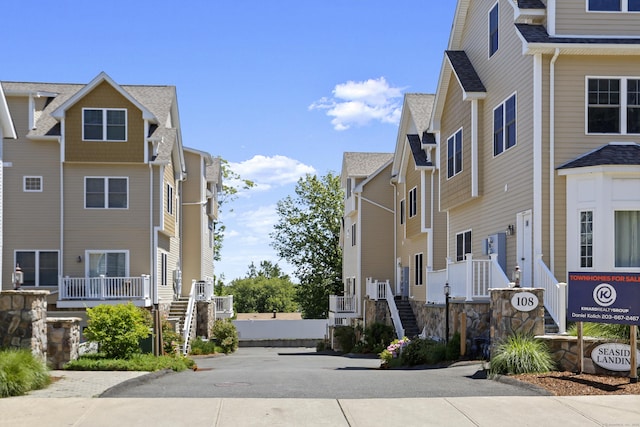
column 88, row 253
column 403, row 212
column 492, row 52
column 505, row 125
column 169, row 190
column 623, row 105
column 464, row 244
column 453, row 139
column 615, row 243
column 36, row 253
column 413, row 202
column 581, row 245
column 105, row 124
column 31, row 177
column 624, row 8
column 418, row 260
column 353, row 234
column 106, row 192
column 164, row 269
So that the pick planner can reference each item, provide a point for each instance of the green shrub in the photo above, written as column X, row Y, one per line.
column 453, row 347
column 171, row 340
column 137, row 362
column 521, row 354
column 21, row 372
column 226, row 335
column 200, row 347
column 117, row 329
column 377, row 337
column 321, row 346
column 346, row 337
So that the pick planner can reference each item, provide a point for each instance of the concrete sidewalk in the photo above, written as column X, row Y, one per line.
column 467, row 411
column 69, row 401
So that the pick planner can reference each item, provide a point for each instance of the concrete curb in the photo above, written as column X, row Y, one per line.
column 134, row 382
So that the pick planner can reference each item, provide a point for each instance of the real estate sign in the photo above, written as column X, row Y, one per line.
column 604, row 297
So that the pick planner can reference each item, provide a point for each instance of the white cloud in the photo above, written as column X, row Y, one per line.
column 359, row 103
column 269, row 172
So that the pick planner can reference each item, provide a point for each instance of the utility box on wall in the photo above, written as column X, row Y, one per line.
column 496, row 244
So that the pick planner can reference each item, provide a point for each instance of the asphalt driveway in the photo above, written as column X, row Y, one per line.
column 304, row 373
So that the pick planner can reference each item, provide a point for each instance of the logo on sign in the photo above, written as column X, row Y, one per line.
column 604, row 295
column 524, row 301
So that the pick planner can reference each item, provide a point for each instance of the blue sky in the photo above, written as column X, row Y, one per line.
column 278, row 88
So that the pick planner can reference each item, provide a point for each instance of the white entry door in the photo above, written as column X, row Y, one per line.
column 524, row 252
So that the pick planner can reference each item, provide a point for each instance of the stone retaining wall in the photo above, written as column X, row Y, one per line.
column 507, row 320
column 205, row 317
column 63, row 335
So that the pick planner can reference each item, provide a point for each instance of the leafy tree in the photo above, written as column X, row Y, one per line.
column 307, row 236
column 263, row 290
column 232, row 183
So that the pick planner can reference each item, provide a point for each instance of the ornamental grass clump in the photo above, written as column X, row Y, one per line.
column 21, row 372
column 521, row 354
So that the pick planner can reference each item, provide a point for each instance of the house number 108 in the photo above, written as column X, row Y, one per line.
column 524, row 301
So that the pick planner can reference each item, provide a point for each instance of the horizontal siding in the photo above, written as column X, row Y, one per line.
column 413, row 181
column 572, row 18
column 170, row 218
column 30, row 220
column 107, row 229
column 104, row 96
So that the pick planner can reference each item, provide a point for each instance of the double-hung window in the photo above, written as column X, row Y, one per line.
column 402, row 213
column 627, row 239
column 169, row 199
column 463, row 245
column 353, row 234
column 39, row 268
column 106, row 192
column 418, row 280
column 413, row 202
column 504, row 126
column 613, row 5
column 613, row 105
column 586, row 239
column 494, row 18
column 454, row 154
column 104, row 124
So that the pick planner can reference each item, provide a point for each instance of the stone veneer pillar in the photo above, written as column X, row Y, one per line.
column 507, row 320
column 205, row 317
column 63, row 340
column 23, row 315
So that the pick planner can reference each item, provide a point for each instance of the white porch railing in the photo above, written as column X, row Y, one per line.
column 343, row 304
column 377, row 290
column 471, row 279
column 395, row 316
column 204, row 290
column 224, row 306
column 104, row 288
column 188, row 320
column 555, row 294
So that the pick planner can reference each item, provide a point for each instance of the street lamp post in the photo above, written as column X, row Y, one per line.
column 447, row 290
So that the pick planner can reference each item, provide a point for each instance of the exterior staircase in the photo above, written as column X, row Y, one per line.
column 178, row 313
column 550, row 326
column 407, row 317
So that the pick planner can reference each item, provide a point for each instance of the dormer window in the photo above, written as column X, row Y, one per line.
column 104, row 124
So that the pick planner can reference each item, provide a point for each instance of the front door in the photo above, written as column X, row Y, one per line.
column 405, row 282
column 524, row 256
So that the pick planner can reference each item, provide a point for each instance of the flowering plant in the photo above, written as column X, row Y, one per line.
column 393, row 351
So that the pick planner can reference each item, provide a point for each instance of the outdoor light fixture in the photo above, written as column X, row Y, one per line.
column 516, row 277
column 510, row 229
column 79, row 258
column 447, row 291
column 17, row 277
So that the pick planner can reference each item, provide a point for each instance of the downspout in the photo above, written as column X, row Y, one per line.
column 552, row 144
column 62, row 159
column 537, row 162
column 474, row 148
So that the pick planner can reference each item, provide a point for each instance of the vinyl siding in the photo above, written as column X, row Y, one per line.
column 170, row 226
column 413, row 180
column 572, row 19
column 407, row 255
column 106, row 229
column 30, row 220
column 104, row 96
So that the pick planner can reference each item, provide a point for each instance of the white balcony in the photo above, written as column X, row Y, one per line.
column 342, row 309
column 81, row 292
column 224, row 306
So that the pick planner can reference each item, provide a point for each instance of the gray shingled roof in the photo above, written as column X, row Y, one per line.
column 463, row 68
column 421, row 106
column 157, row 99
column 364, row 164
column 610, row 154
column 538, row 34
column 419, row 155
column 531, row 4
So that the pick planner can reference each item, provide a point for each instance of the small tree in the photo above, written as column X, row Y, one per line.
column 117, row 329
column 226, row 335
